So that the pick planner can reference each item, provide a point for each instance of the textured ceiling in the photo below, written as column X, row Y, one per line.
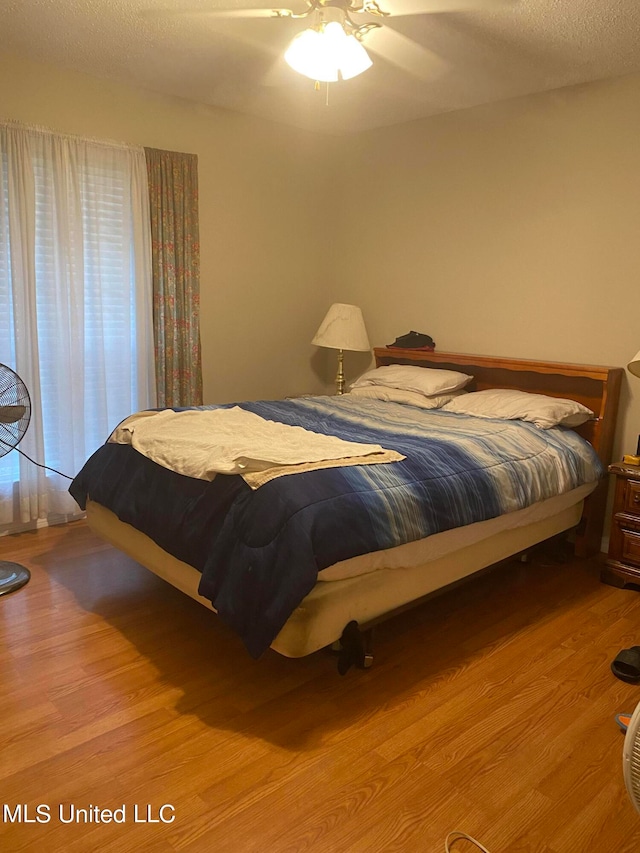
column 455, row 55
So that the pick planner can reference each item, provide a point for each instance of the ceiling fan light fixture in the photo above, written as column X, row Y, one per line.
column 354, row 59
column 324, row 52
column 306, row 55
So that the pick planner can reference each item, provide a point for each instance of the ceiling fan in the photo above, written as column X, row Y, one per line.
column 332, row 48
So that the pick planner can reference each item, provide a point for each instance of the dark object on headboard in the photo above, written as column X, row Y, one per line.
column 414, row 340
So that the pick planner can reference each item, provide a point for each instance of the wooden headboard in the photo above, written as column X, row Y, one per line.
column 592, row 385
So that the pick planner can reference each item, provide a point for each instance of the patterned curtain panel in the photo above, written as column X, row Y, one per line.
column 173, row 197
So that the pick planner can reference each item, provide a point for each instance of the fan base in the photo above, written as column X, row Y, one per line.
column 12, row 576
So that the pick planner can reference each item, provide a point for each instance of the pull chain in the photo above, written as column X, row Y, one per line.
column 316, row 86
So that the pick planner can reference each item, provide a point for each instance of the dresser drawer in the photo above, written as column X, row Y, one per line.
column 632, row 497
column 623, row 562
column 625, row 542
column 631, row 547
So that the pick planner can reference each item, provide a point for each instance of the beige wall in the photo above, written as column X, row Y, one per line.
column 510, row 229
column 263, row 258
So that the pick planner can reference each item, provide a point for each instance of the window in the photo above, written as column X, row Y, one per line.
column 75, row 305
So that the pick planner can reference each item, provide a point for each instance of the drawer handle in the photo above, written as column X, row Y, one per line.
column 636, row 498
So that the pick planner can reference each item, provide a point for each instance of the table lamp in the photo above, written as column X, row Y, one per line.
column 342, row 329
column 634, row 367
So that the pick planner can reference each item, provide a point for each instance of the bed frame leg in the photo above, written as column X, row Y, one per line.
column 356, row 648
column 589, row 530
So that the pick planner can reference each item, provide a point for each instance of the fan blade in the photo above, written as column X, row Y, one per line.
column 11, row 414
column 398, row 8
column 247, row 13
column 405, row 53
column 278, row 74
column 218, row 13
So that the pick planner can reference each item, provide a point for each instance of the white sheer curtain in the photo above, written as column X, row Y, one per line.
column 75, row 306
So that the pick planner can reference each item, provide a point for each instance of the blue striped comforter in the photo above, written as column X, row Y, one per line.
column 260, row 551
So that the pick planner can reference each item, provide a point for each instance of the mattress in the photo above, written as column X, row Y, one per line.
column 440, row 544
column 260, row 552
column 319, row 619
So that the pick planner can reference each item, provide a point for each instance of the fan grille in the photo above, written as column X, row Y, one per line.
column 631, row 759
column 15, row 409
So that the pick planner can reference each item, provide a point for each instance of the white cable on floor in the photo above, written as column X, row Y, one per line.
column 456, row 835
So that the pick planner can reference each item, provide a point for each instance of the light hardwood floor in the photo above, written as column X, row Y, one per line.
column 489, row 709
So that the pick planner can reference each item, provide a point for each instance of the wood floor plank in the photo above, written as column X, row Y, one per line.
column 488, row 709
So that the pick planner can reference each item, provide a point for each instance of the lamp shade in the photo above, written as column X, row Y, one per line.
column 634, row 365
column 343, row 328
column 321, row 53
column 354, row 58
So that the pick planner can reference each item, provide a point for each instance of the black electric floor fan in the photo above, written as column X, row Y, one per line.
column 15, row 414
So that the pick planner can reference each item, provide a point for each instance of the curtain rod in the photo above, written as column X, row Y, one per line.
column 46, row 131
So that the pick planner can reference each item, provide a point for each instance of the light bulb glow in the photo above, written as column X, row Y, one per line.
column 324, row 53
column 307, row 56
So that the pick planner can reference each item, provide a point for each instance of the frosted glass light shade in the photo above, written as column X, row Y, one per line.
column 634, row 365
column 321, row 54
column 343, row 328
column 306, row 55
column 354, row 59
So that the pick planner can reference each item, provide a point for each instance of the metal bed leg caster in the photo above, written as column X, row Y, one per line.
column 356, row 648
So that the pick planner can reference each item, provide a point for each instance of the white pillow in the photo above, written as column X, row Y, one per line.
column 543, row 411
column 397, row 395
column 423, row 380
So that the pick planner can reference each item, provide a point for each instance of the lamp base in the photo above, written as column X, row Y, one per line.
column 12, row 576
column 340, row 373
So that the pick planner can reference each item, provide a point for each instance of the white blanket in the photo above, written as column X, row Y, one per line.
column 202, row 444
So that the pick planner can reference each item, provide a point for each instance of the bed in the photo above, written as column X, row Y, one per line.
column 364, row 588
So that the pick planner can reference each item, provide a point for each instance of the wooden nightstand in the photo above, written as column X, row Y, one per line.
column 623, row 562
